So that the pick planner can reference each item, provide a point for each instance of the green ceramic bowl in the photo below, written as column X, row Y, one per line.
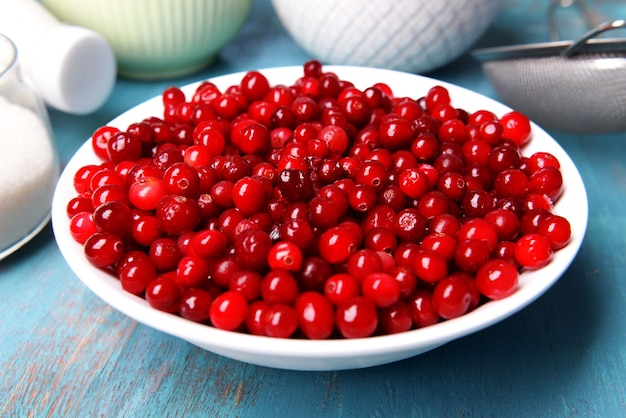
column 158, row 38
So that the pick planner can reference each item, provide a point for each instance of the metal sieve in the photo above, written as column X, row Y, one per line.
column 573, row 86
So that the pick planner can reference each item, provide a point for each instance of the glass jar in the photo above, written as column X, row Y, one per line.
column 29, row 167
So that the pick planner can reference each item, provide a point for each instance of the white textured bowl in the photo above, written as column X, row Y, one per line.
column 414, row 36
column 158, row 38
column 299, row 354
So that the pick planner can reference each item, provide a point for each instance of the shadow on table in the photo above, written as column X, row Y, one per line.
column 33, row 249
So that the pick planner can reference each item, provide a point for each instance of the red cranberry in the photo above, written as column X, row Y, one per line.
column 395, row 133
column 357, row 317
column 163, row 294
column 251, row 248
column 177, row 214
column 337, row 243
column 295, row 185
column 315, row 315
column 451, row 297
column 422, row 310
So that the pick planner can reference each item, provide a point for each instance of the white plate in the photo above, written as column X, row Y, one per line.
column 330, row 354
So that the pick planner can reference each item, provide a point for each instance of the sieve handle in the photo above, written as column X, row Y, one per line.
column 603, row 27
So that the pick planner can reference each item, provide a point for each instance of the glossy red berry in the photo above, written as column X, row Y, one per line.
column 381, row 288
column 548, row 181
column 135, row 271
column 451, row 297
column 497, row 279
column 195, row 305
column 357, row 317
column 222, row 270
column 251, row 248
column 192, row 271
column 279, row 286
column 443, row 244
column 106, row 177
column 255, row 319
column 123, row 146
column 254, row 85
column 228, row 310
column 516, row 127
column 316, row 316
column 165, row 253
column 422, row 310
column 246, row 282
column 372, row 173
column 479, row 229
column 285, row 255
column 437, row 96
column 253, row 138
column 163, row 294
column 324, row 212
column 113, row 217
column 103, row 249
column 512, row 182
column 541, row 160
column 208, row 243
column 557, row 229
column 470, row 254
column 248, row 195
column 533, row 251
column 395, row 133
column 295, row 185
column 335, row 138
column 337, row 243
column 280, row 321
column 145, row 229
column 146, row 192
column 82, row 178
column 395, row 318
column 100, row 140
column 413, row 182
column 341, row 287
column 177, row 214
column 181, row 179
column 506, row 223
column 364, row 262
column 430, row 266
column 82, row 226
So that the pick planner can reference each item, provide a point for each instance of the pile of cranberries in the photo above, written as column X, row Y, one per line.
column 317, row 210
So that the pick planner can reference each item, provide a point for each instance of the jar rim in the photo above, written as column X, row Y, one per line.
column 12, row 62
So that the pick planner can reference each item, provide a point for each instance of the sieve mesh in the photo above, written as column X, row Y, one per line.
column 584, row 93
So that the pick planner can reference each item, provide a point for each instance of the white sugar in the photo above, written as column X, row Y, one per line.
column 28, row 172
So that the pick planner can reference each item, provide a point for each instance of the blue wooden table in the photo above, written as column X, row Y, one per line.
column 64, row 352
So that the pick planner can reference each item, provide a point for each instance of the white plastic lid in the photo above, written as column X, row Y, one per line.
column 74, row 69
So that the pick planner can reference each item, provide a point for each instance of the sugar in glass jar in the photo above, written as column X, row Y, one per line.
column 29, row 167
